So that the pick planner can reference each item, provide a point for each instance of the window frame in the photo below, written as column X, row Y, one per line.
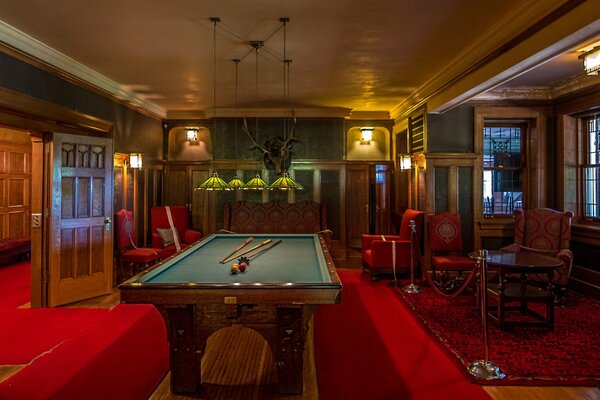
column 523, row 167
column 584, row 162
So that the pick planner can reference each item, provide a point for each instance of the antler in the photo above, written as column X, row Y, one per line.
column 255, row 145
column 291, row 138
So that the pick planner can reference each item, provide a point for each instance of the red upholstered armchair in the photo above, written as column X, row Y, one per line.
column 161, row 229
column 131, row 257
column 446, row 260
column 546, row 231
column 378, row 250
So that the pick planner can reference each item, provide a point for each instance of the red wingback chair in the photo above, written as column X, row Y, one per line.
column 445, row 247
column 546, row 231
column 160, row 224
column 377, row 250
column 131, row 258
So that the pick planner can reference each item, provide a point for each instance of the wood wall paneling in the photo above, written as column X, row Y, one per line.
column 15, row 189
column 137, row 191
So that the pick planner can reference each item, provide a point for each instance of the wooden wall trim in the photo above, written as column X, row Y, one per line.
column 588, row 234
column 26, row 112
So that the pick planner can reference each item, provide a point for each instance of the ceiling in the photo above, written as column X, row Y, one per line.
column 356, row 54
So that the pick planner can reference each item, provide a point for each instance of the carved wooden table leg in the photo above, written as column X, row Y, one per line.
column 291, row 335
column 185, row 361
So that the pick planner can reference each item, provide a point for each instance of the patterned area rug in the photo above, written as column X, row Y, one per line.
column 528, row 355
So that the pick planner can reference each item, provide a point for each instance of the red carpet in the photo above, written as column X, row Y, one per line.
column 528, row 355
column 15, row 281
column 372, row 347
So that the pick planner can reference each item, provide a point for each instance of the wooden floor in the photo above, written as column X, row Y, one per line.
column 238, row 365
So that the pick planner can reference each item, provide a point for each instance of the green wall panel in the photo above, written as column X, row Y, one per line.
column 330, row 196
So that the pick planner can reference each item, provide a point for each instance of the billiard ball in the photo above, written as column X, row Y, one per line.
column 235, row 268
column 242, row 266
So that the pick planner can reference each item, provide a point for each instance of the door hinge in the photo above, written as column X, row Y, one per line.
column 45, row 278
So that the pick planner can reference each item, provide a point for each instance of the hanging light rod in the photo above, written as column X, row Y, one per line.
column 283, row 20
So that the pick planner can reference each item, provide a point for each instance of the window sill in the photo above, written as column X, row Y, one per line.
column 586, row 233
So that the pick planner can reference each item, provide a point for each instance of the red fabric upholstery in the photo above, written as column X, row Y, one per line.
column 276, row 217
column 16, row 246
column 123, row 356
column 377, row 253
column 141, row 255
column 445, row 243
column 545, row 231
column 126, row 239
column 159, row 220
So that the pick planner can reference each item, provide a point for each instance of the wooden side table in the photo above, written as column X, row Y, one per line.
column 504, row 291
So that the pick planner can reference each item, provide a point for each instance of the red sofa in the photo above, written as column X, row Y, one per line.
column 121, row 353
column 180, row 218
column 276, row 217
column 19, row 246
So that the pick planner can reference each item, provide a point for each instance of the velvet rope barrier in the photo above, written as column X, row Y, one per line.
column 462, row 288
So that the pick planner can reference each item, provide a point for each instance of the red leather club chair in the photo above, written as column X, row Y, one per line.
column 377, row 250
column 546, row 231
column 161, row 229
column 131, row 258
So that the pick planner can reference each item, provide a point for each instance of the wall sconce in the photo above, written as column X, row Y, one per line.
column 591, row 61
column 405, row 162
column 192, row 134
column 366, row 135
column 135, row 160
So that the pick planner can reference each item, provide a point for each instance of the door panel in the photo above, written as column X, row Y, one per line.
column 357, row 203
column 80, row 261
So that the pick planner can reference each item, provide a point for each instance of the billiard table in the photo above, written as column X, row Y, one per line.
column 277, row 296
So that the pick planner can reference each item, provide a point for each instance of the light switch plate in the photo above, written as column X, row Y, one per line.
column 36, row 220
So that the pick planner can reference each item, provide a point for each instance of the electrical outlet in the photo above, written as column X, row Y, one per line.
column 36, row 220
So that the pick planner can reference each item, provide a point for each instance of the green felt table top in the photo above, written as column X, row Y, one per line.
column 297, row 259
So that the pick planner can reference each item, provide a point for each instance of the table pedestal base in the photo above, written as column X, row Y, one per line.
column 486, row 370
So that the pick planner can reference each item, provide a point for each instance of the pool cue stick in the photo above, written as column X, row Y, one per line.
column 248, row 251
column 241, row 246
column 258, row 253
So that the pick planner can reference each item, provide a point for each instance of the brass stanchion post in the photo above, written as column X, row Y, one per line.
column 484, row 369
column 412, row 287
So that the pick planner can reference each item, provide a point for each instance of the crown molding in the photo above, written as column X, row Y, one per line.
column 376, row 115
column 575, row 84
column 559, row 89
column 66, row 67
column 515, row 93
column 267, row 112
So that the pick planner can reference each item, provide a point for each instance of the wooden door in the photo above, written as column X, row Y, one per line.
column 383, row 182
column 80, row 231
column 357, row 203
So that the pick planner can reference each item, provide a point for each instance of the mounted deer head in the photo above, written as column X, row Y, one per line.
column 277, row 152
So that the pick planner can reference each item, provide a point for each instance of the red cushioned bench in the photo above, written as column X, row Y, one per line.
column 18, row 246
column 120, row 353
